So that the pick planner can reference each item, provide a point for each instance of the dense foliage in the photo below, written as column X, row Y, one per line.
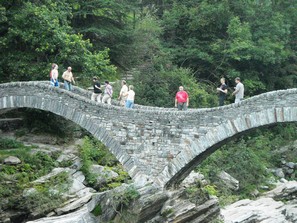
column 249, row 159
column 35, row 34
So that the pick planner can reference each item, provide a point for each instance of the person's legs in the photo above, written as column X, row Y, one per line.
column 129, row 104
column 66, row 85
column 70, row 87
column 185, row 106
column 52, row 82
column 57, row 83
column 221, row 100
column 109, row 100
column 180, row 106
column 106, row 99
column 237, row 100
column 93, row 97
column 99, row 97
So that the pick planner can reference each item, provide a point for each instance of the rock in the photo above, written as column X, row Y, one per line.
column 193, row 178
column 288, row 170
column 279, row 173
column 73, row 205
column 255, row 193
column 12, row 160
column 283, row 191
column 102, row 174
column 66, row 157
column 28, row 192
column 82, row 215
column 77, row 183
column 54, row 172
column 265, row 209
column 149, row 204
column 245, row 211
column 291, row 165
column 229, row 181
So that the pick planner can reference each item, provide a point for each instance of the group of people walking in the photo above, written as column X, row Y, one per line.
column 97, row 94
column 127, row 94
column 67, row 77
column 182, row 97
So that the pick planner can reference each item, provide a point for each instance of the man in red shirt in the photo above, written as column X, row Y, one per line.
column 182, row 99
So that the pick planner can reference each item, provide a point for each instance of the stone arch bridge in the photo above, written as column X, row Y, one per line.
column 155, row 144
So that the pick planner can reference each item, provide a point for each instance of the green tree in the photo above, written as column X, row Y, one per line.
column 36, row 34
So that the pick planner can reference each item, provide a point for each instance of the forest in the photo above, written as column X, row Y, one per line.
column 160, row 43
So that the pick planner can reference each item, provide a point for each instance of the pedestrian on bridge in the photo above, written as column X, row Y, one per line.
column 130, row 97
column 239, row 90
column 96, row 95
column 68, row 79
column 222, row 92
column 107, row 93
column 54, row 76
column 123, row 93
column 182, row 99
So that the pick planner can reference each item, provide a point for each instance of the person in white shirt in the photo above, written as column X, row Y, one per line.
column 130, row 97
column 123, row 93
column 239, row 90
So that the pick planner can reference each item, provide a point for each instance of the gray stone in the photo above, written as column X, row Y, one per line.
column 193, row 178
column 279, row 173
column 54, row 172
column 229, row 181
column 102, row 173
column 267, row 209
column 80, row 216
column 12, row 160
column 291, row 165
column 66, row 157
column 73, row 205
column 285, row 190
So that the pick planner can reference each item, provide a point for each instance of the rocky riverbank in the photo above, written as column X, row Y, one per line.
column 278, row 205
column 82, row 203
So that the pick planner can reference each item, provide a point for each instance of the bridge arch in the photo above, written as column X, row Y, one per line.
column 58, row 101
column 159, row 145
column 230, row 128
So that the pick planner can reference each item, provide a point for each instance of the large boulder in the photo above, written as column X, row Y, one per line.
column 103, row 174
column 82, row 215
column 12, row 160
column 229, row 181
column 265, row 209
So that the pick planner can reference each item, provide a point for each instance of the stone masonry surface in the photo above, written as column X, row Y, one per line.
column 162, row 145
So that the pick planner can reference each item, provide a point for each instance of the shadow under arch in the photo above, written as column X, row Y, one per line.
column 249, row 122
